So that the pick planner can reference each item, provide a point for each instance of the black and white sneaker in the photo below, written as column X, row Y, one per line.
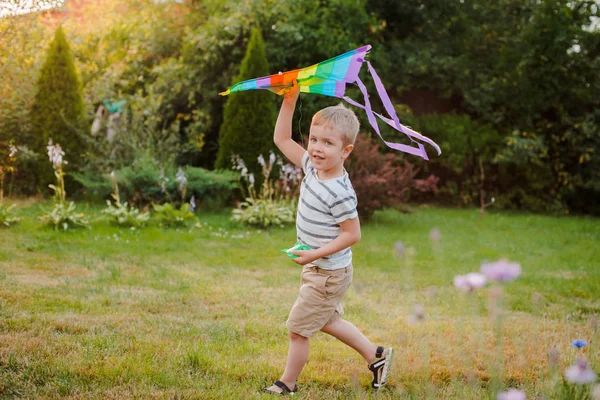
column 381, row 368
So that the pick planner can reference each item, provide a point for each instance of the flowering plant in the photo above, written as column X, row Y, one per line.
column 62, row 215
column 6, row 213
column 167, row 213
column 121, row 213
column 275, row 202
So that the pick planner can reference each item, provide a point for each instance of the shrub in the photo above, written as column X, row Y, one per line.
column 65, row 216
column 378, row 180
column 121, row 213
column 143, row 182
column 468, row 151
column 7, row 218
column 274, row 203
column 58, row 110
column 249, row 117
column 170, row 217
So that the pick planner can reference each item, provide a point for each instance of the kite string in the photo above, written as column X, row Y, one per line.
column 299, row 123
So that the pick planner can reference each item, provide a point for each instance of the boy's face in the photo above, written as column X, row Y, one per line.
column 326, row 148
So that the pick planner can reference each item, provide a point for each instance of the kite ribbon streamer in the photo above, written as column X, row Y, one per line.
column 330, row 78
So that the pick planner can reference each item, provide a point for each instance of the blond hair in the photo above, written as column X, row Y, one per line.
column 341, row 119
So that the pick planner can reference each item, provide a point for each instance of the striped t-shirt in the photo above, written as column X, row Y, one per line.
column 323, row 205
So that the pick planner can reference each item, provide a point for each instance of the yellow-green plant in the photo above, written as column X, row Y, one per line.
column 6, row 212
column 121, row 213
column 275, row 202
column 170, row 216
column 62, row 215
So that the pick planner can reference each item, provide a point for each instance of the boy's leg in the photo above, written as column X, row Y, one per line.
column 349, row 334
column 297, row 356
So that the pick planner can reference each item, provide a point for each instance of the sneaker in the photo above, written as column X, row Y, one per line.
column 381, row 368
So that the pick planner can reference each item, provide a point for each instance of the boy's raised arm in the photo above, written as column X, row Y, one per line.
column 283, row 128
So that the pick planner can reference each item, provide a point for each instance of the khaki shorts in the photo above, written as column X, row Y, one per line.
column 320, row 299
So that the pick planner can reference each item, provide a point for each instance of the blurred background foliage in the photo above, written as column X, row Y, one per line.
column 510, row 89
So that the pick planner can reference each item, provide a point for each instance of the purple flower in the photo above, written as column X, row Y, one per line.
column 512, row 394
column 435, row 235
column 501, row 271
column 580, row 372
column 470, row 281
column 579, row 343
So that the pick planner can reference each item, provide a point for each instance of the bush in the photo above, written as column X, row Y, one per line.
column 64, row 216
column 124, row 215
column 142, row 184
column 58, row 111
column 249, row 117
column 7, row 218
column 378, row 180
column 275, row 201
column 170, row 217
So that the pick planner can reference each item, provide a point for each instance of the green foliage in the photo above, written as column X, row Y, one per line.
column 518, row 66
column 141, row 184
column 58, row 111
column 123, row 215
column 7, row 217
column 274, row 204
column 468, row 146
column 249, row 117
column 263, row 213
column 379, row 180
column 64, row 216
column 171, row 217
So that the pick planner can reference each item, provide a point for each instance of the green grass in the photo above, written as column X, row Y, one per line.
column 200, row 312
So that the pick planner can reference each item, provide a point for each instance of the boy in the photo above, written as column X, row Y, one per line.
column 327, row 221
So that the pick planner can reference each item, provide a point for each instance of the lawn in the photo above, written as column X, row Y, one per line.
column 200, row 313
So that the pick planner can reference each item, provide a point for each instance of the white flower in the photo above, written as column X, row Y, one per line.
column 251, row 178
column 261, row 160
column 271, row 158
column 193, row 203
column 512, row 394
column 55, row 154
column 12, row 149
column 180, row 177
column 470, row 281
column 580, row 372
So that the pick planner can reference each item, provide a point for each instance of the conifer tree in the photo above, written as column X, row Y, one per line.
column 249, row 117
column 58, row 110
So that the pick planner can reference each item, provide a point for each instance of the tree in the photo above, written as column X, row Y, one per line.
column 58, row 110
column 249, row 117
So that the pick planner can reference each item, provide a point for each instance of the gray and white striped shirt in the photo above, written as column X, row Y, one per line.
column 323, row 205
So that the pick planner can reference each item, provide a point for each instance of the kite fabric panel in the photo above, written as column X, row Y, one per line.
column 329, row 78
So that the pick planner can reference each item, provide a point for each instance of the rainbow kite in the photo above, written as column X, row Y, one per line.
column 329, row 78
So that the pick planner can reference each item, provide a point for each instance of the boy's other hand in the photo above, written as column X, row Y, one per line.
column 304, row 256
column 293, row 92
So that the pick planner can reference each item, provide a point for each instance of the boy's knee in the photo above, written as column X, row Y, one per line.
column 295, row 336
